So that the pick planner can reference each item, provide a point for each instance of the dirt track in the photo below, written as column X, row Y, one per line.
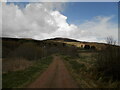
column 56, row 76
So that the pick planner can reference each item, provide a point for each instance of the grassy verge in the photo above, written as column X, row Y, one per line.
column 84, row 72
column 76, row 70
column 21, row 78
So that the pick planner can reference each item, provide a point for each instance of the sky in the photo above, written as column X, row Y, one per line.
column 83, row 21
column 78, row 12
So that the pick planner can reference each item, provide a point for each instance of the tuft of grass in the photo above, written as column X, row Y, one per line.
column 76, row 66
column 80, row 71
column 19, row 78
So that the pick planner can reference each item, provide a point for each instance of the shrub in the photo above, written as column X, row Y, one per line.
column 7, row 47
column 108, row 62
column 28, row 51
column 93, row 47
column 51, row 50
column 87, row 46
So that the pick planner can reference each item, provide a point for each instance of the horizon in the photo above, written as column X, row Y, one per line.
column 56, row 38
column 89, row 22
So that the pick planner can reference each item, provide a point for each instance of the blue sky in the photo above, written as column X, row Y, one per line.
column 20, row 4
column 86, row 21
column 78, row 12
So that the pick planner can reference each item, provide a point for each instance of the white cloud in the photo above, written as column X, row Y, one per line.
column 41, row 21
column 99, row 28
column 33, row 20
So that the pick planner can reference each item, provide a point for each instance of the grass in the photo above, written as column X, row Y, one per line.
column 21, row 78
column 15, row 64
column 76, row 66
column 78, row 71
column 82, row 66
column 84, row 72
column 108, row 63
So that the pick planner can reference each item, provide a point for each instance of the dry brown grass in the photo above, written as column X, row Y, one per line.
column 88, row 75
column 99, row 46
column 9, row 65
column 88, row 54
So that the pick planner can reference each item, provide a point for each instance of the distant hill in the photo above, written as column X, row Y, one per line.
column 77, row 43
column 59, row 40
column 64, row 39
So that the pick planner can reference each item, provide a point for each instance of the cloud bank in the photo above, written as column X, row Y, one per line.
column 44, row 20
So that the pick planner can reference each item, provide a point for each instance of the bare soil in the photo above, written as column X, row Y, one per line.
column 56, row 76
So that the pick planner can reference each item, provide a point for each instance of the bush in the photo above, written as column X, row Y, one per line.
column 33, row 50
column 28, row 51
column 108, row 62
column 87, row 46
column 69, row 51
column 52, row 50
column 93, row 47
column 7, row 47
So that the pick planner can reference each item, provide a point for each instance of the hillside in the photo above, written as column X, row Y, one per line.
column 79, row 44
column 58, row 41
column 91, row 64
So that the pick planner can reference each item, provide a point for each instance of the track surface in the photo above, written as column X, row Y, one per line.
column 56, row 76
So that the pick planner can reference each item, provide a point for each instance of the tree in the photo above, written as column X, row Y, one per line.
column 110, row 40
